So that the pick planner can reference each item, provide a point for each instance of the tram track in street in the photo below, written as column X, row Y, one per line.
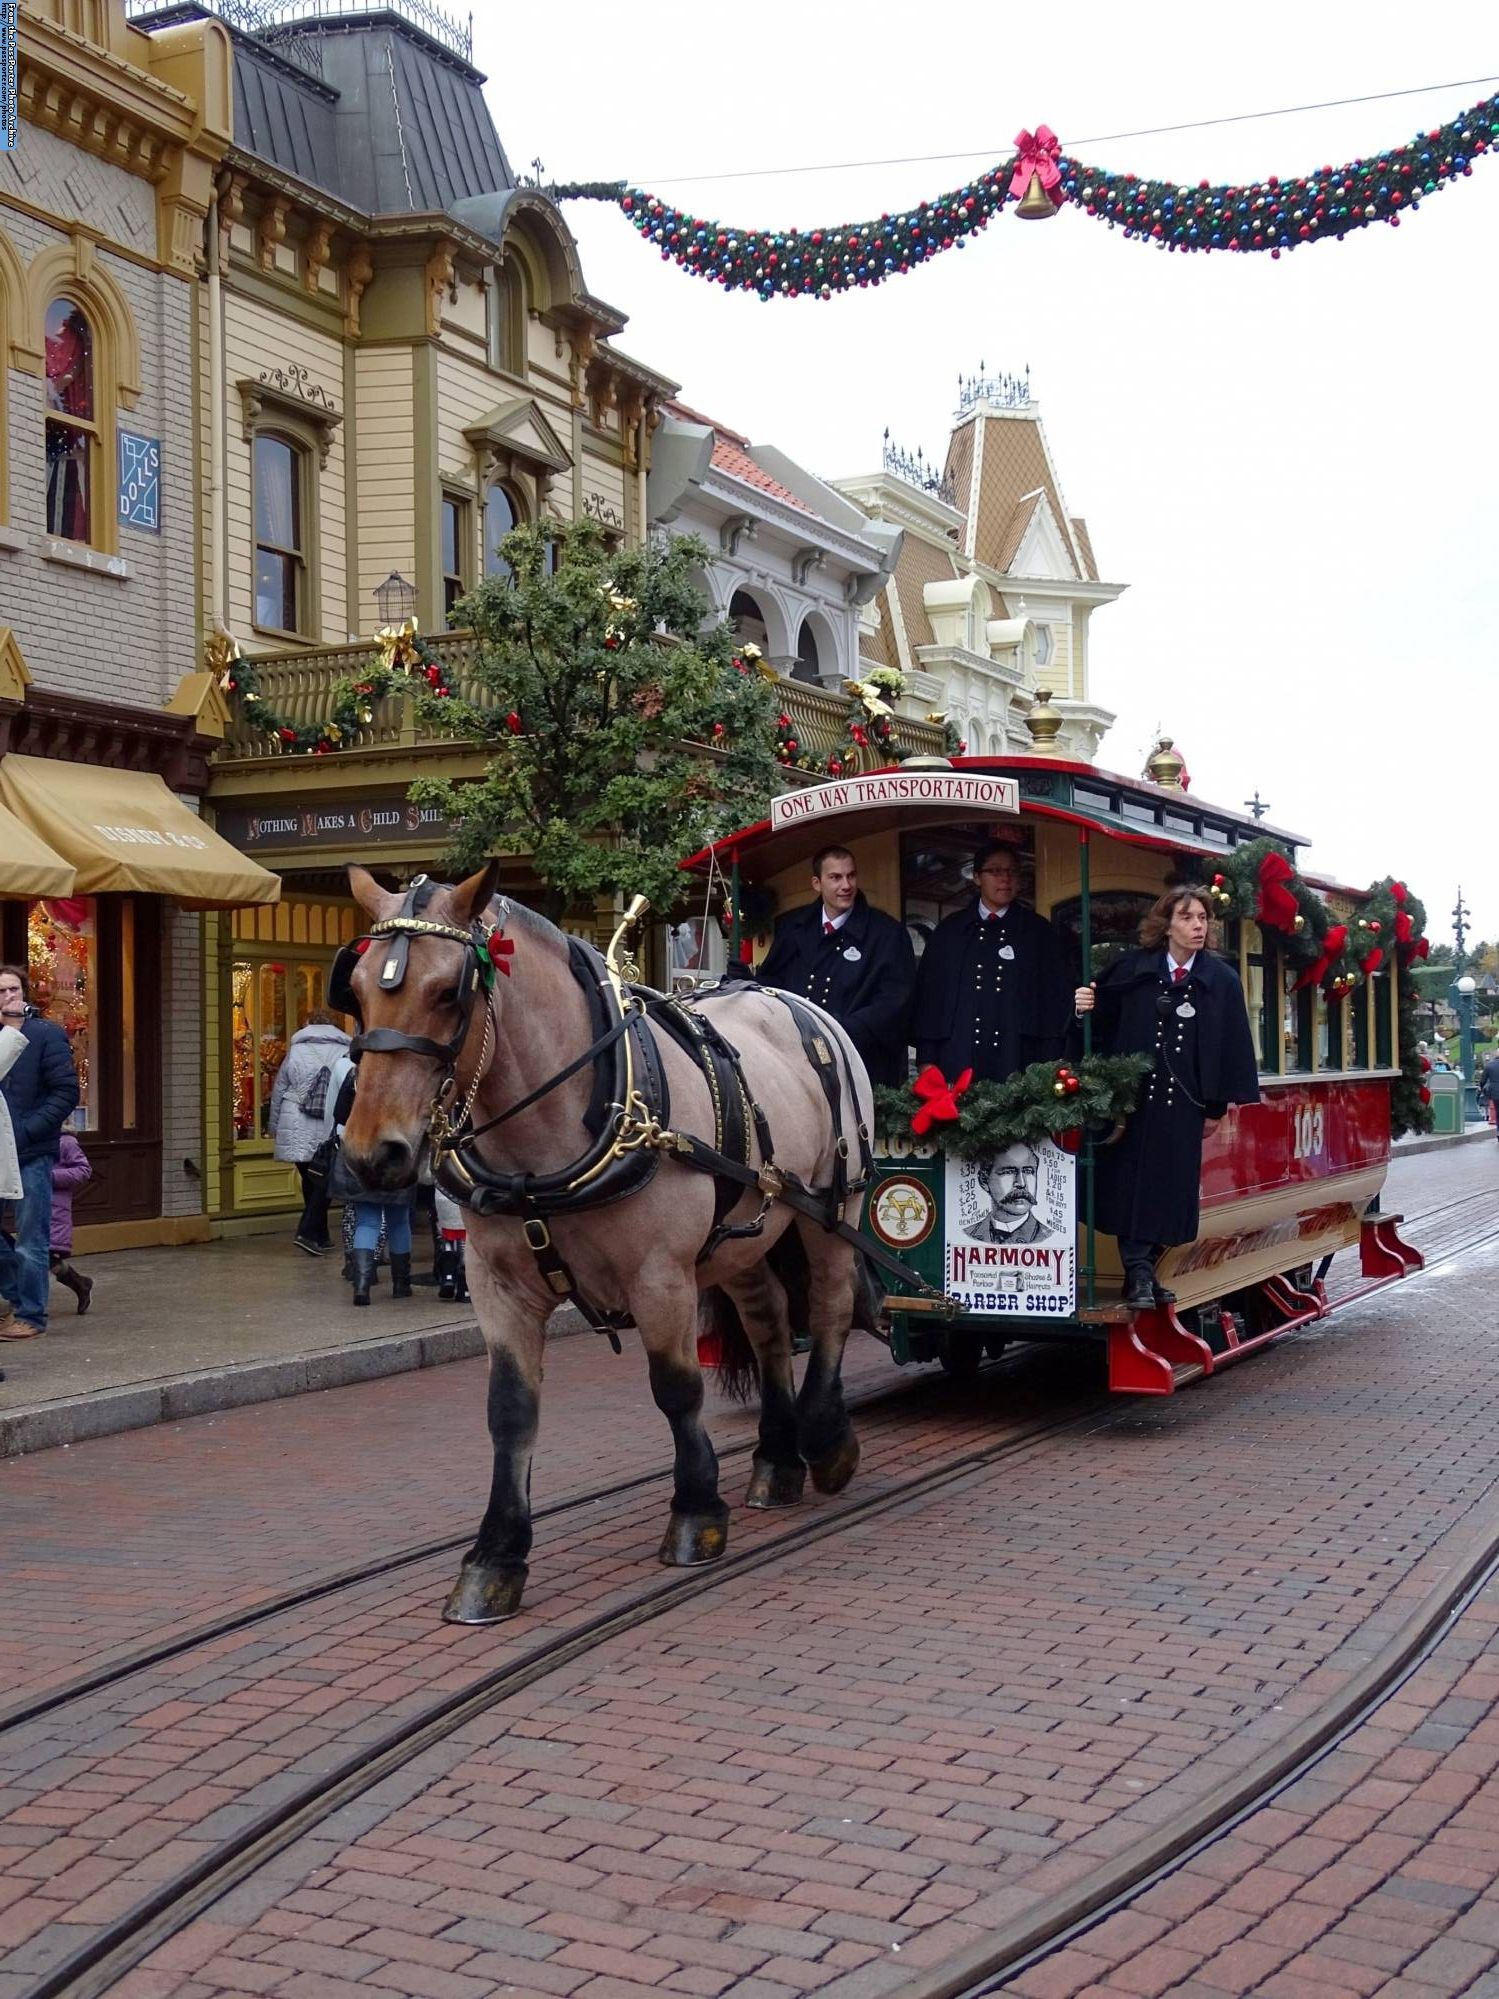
column 118, row 1945
column 169, row 1906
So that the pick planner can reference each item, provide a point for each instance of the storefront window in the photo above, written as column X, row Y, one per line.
column 272, row 1000
column 697, row 949
column 127, row 1016
column 62, row 955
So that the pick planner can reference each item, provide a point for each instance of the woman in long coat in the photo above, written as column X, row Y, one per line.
column 12, row 1047
column 1172, row 1000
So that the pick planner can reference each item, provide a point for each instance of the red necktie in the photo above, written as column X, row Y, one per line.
column 1178, row 973
column 828, row 929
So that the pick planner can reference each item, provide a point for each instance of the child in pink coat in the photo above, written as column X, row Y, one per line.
column 69, row 1172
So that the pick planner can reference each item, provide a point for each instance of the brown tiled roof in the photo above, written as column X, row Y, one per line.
column 959, row 466
column 879, row 647
column 920, row 563
column 1084, row 541
column 1014, row 469
column 1015, row 529
column 731, row 454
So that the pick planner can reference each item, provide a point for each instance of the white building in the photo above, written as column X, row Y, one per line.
column 792, row 563
column 994, row 585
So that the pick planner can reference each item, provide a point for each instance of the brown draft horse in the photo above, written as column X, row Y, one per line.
column 638, row 1257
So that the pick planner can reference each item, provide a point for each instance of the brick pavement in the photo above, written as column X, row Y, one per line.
column 1376, row 1873
column 856, row 1761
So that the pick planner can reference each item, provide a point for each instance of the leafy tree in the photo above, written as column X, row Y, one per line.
column 621, row 735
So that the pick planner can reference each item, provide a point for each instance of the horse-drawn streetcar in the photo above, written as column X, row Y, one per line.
column 1285, row 1182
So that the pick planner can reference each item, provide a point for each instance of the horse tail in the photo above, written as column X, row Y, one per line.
column 721, row 1332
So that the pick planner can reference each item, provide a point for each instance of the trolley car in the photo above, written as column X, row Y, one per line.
column 1286, row 1183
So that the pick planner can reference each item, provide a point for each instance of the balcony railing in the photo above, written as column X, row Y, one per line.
column 300, row 686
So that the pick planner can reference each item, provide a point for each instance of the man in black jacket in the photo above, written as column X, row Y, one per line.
column 851, row 960
column 992, row 993
column 1489, row 1086
column 41, row 1093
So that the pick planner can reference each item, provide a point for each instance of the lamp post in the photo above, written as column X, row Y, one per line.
column 1463, row 990
column 395, row 599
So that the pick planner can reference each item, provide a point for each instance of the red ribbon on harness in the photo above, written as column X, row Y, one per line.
column 499, row 948
column 939, row 1098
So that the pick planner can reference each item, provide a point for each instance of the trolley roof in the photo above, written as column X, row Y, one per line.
column 928, row 792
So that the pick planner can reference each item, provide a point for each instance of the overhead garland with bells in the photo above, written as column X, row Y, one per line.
column 407, row 665
column 1280, row 213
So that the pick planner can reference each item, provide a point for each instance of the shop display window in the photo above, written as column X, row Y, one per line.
column 272, row 999
column 697, row 950
column 62, row 958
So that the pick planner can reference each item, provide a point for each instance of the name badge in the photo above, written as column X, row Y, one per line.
column 853, row 954
column 1186, row 1011
column 1007, row 950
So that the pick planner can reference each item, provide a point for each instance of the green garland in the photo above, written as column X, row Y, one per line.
column 411, row 666
column 1276, row 214
column 1047, row 1100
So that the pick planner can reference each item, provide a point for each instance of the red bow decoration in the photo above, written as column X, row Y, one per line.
column 1277, row 905
column 1397, row 890
column 1332, row 950
column 500, row 950
column 939, row 1098
column 1421, row 948
column 1373, row 962
column 1404, row 928
column 1037, row 153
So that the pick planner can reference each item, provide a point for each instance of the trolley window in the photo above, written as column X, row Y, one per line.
column 1256, row 955
column 1384, row 1040
column 1296, row 1019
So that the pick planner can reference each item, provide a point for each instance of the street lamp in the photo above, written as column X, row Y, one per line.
column 1463, row 990
column 396, row 599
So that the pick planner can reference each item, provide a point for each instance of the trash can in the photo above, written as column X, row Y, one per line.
column 1446, row 1088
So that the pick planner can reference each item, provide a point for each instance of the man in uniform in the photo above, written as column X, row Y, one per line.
column 853, row 961
column 992, row 993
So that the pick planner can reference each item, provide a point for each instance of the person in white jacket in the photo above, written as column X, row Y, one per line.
column 301, row 1117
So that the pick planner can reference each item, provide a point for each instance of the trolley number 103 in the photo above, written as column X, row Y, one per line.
column 1311, row 1131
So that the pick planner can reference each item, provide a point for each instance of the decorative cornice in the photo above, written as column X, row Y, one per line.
column 79, row 730
column 289, row 392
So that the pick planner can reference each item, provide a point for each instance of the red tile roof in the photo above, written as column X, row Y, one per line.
column 731, row 454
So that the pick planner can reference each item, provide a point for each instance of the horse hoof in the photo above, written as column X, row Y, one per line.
column 775, row 1485
column 484, row 1595
column 832, row 1474
column 694, row 1538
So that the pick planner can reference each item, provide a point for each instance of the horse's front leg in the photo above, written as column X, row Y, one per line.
column 665, row 1309
column 493, row 1576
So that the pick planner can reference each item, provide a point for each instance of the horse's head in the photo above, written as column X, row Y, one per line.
column 419, row 983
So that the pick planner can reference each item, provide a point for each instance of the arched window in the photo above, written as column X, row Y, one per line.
column 73, row 440
column 808, row 664
column 748, row 621
column 501, row 514
column 281, row 593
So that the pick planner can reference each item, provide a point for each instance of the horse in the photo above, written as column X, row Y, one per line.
column 494, row 1084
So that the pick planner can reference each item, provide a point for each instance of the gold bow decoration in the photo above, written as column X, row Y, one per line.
column 398, row 647
column 220, row 656
column 869, row 699
column 753, row 657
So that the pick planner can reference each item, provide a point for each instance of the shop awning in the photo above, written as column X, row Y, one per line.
column 28, row 867
column 123, row 831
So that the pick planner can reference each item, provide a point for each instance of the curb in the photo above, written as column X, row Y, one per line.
column 1403, row 1148
column 137, row 1405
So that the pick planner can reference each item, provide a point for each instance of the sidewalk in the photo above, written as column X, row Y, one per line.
column 1414, row 1142
column 178, row 1331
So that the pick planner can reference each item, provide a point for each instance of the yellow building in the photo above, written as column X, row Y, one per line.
column 398, row 361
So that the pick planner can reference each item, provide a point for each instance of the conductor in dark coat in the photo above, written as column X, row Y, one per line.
column 992, row 993
column 1175, row 1001
column 850, row 959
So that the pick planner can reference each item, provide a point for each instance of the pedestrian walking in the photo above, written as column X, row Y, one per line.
column 1489, row 1089
column 1174, row 1001
column 70, row 1171
column 375, row 1215
column 301, row 1118
column 12, row 1046
column 40, row 1088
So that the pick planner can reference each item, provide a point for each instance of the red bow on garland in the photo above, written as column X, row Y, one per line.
column 1403, row 926
column 1332, row 950
column 939, row 1098
column 1277, row 905
column 1037, row 153
column 1373, row 962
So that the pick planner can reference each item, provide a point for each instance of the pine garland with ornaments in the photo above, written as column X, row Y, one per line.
column 1055, row 1100
column 407, row 665
column 1280, row 213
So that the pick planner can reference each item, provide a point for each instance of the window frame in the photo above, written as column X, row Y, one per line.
column 463, row 505
column 519, row 519
column 98, row 429
column 304, row 448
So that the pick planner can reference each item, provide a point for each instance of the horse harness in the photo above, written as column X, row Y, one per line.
column 628, row 1117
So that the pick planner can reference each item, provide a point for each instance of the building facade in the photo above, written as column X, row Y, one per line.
column 106, row 724
column 399, row 360
column 995, row 585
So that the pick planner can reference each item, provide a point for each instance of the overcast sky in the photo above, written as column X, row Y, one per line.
column 1291, row 464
